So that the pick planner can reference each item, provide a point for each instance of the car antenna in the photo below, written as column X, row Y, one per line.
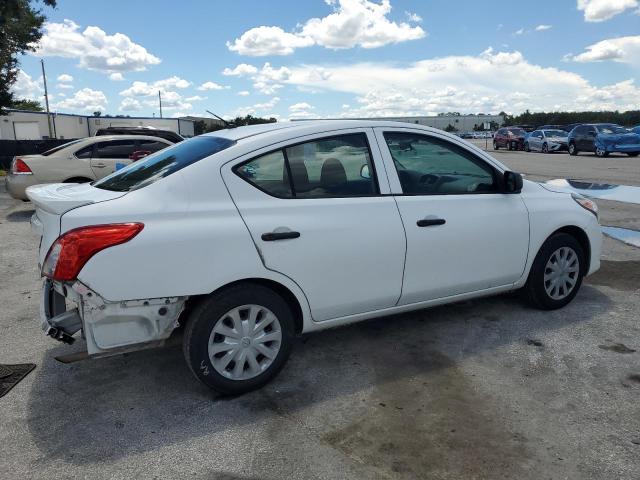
column 226, row 124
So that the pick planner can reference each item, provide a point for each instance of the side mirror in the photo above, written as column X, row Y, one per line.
column 138, row 154
column 364, row 172
column 512, row 182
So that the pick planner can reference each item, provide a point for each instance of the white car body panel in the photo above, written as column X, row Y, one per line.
column 203, row 225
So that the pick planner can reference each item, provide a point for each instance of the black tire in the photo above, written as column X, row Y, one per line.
column 526, row 146
column 633, row 154
column 534, row 289
column 545, row 148
column 495, row 145
column 211, row 311
column 573, row 150
column 601, row 153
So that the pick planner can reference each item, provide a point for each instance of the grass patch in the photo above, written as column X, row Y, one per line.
column 2, row 173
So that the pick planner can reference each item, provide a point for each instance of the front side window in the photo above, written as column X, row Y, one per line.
column 338, row 166
column 84, row 152
column 431, row 166
column 163, row 163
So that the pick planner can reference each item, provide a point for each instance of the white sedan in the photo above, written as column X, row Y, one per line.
column 248, row 236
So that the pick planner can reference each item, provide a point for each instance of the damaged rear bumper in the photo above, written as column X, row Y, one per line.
column 108, row 327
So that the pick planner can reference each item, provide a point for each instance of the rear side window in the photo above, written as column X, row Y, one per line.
column 115, row 149
column 333, row 167
column 163, row 163
column 58, row 148
column 152, row 145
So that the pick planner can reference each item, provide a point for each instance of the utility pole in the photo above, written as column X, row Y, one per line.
column 46, row 99
column 160, row 100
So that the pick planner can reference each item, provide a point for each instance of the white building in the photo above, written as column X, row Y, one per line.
column 26, row 125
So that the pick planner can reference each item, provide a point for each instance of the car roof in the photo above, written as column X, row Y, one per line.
column 309, row 126
column 103, row 138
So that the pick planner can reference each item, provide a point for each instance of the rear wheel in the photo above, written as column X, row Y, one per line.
column 633, row 154
column 572, row 149
column 556, row 273
column 239, row 339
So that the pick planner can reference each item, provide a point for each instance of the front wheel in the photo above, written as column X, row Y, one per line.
column 526, row 146
column 545, row 148
column 238, row 339
column 556, row 274
column 572, row 149
column 495, row 145
column 633, row 154
column 601, row 152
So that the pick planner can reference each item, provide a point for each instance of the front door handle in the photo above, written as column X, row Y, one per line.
column 429, row 222
column 99, row 165
column 273, row 236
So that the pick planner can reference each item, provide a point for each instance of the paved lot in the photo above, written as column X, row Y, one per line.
column 481, row 389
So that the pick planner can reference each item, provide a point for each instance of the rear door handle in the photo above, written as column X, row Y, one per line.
column 273, row 236
column 429, row 222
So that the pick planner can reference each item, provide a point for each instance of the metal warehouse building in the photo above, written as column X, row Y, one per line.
column 26, row 125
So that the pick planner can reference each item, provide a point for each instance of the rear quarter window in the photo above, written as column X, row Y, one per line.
column 163, row 163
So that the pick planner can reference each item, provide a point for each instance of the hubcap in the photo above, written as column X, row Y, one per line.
column 244, row 342
column 561, row 273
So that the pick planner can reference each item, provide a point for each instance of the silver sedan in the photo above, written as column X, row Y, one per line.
column 546, row 141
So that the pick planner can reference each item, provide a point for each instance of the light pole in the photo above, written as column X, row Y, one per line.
column 46, row 99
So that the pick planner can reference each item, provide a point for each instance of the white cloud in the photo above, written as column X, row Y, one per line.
column 601, row 10
column 621, row 49
column 267, row 105
column 266, row 80
column 464, row 84
column 240, row 70
column 93, row 48
column 519, row 32
column 211, row 86
column 244, row 93
column 130, row 105
column 26, row 87
column 413, row 17
column 85, row 99
column 352, row 23
column 64, row 86
column 65, row 78
column 195, row 98
column 138, row 89
column 542, row 28
column 296, row 107
column 116, row 77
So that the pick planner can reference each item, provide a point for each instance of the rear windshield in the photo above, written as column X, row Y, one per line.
column 58, row 148
column 163, row 163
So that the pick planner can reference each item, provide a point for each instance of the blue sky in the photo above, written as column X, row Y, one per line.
column 332, row 58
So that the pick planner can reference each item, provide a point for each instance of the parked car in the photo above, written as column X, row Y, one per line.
column 79, row 161
column 570, row 127
column 511, row 138
column 603, row 139
column 546, row 141
column 169, row 135
column 551, row 127
column 636, row 129
column 249, row 236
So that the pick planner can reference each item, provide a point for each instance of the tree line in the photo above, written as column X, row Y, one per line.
column 629, row 118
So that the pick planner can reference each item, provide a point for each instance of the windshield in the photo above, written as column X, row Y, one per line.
column 58, row 148
column 517, row 131
column 555, row 133
column 163, row 163
column 611, row 129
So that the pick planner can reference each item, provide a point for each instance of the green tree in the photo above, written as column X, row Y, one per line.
column 251, row 120
column 25, row 104
column 450, row 128
column 20, row 28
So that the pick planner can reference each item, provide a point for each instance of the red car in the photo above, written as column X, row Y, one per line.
column 511, row 138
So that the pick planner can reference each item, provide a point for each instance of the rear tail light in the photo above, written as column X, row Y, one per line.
column 72, row 250
column 19, row 167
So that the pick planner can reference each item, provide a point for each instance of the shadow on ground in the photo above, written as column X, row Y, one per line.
column 20, row 216
column 422, row 406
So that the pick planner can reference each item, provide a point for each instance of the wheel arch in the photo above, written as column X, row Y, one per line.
column 581, row 236
column 287, row 295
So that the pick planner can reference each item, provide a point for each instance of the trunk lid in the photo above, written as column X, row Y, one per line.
column 53, row 200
